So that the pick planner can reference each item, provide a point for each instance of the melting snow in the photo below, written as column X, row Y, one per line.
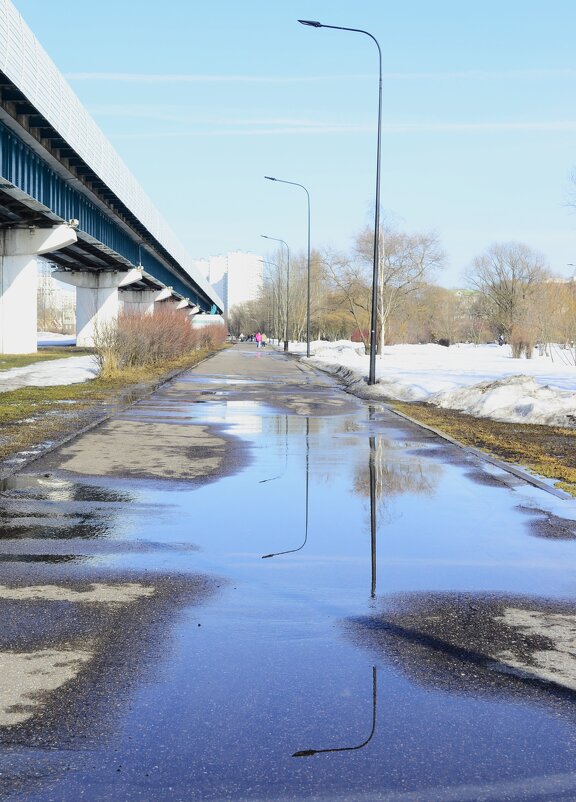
column 481, row 380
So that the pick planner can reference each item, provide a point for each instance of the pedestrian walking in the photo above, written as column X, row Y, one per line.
column 258, row 339
column 264, row 340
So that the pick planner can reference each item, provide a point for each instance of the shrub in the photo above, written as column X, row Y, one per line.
column 359, row 336
column 522, row 342
column 138, row 340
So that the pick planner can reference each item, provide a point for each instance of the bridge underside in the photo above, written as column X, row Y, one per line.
column 67, row 197
column 44, row 181
column 20, row 211
column 105, row 280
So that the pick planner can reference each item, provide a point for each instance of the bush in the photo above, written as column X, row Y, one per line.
column 138, row 340
column 359, row 336
column 522, row 342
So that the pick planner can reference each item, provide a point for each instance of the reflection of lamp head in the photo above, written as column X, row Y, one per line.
column 365, row 742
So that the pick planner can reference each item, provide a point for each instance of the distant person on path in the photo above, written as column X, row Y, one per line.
column 258, row 339
column 264, row 340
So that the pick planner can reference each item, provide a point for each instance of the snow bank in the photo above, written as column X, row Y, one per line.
column 518, row 399
column 480, row 380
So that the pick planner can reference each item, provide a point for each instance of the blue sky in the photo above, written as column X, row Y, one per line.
column 202, row 100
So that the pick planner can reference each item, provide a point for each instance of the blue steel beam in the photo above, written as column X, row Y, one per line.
column 24, row 169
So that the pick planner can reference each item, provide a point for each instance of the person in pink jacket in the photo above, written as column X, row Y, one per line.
column 258, row 339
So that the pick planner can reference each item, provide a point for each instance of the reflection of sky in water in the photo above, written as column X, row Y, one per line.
column 435, row 528
column 270, row 670
column 245, row 417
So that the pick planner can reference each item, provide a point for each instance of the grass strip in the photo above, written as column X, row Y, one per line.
column 549, row 451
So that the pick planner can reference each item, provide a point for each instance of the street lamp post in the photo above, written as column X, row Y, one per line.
column 286, row 330
column 294, row 184
column 374, row 313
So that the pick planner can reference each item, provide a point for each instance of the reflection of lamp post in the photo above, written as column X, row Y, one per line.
column 375, row 266
column 294, row 184
column 310, row 752
column 372, row 470
column 291, row 551
column 286, row 331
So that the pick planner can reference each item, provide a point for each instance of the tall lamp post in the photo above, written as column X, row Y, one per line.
column 374, row 314
column 294, row 184
column 286, row 330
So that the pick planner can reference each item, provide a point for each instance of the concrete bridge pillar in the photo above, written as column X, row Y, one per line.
column 19, row 249
column 143, row 300
column 174, row 303
column 97, row 301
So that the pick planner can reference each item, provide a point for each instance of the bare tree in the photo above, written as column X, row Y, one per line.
column 440, row 317
column 561, row 322
column 351, row 290
column 475, row 317
column 406, row 261
column 507, row 274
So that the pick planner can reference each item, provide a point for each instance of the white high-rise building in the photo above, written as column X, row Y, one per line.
column 55, row 302
column 236, row 277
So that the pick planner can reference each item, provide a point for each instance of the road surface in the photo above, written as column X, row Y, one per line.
column 254, row 586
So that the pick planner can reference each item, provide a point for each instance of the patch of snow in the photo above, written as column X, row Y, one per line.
column 52, row 338
column 70, row 370
column 480, row 380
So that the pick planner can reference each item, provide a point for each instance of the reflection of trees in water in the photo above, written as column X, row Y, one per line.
column 394, row 472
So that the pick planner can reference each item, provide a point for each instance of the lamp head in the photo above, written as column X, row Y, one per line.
column 269, row 177
column 312, row 23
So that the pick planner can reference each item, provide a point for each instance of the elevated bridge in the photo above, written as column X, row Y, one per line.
column 66, row 195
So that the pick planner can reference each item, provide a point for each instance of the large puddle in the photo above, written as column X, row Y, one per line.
column 387, row 624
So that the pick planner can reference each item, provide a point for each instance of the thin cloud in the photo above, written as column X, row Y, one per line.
column 298, row 128
column 262, row 130
column 448, row 127
column 129, row 77
column 254, row 126
column 483, row 74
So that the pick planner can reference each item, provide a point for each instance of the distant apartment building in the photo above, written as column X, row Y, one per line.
column 236, row 277
column 56, row 303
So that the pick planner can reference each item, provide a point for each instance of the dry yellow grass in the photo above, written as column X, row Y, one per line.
column 549, row 451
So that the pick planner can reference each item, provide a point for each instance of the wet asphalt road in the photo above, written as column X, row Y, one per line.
column 253, row 586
